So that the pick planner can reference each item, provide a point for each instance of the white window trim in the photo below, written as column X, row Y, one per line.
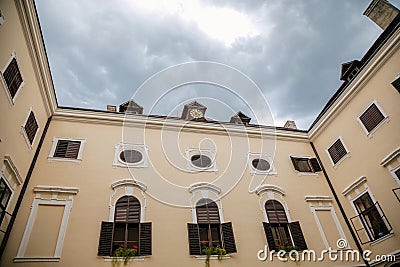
column 385, row 119
column 299, row 173
column 54, row 146
column 335, row 165
column 392, row 172
column 12, row 193
column 267, row 192
column 55, row 201
column 128, row 187
column 206, row 152
column 205, row 190
column 9, row 162
column 388, row 160
column 253, row 155
column 125, row 146
column 1, row 17
column 10, row 99
column 23, row 131
column 316, row 203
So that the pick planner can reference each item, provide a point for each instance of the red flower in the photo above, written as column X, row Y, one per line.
column 135, row 247
column 121, row 245
column 203, row 243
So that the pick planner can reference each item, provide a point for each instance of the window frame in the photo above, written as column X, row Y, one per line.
column 253, row 155
column 120, row 147
column 54, row 146
column 11, row 99
column 342, row 158
column 309, row 159
column 23, row 129
column 190, row 152
column 385, row 119
column 3, row 210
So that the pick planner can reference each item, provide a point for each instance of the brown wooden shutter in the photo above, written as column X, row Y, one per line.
column 105, row 240
column 371, row 117
column 67, row 149
column 295, row 165
column 207, row 211
column 337, row 151
column 275, row 212
column 12, row 77
column 145, row 238
column 127, row 209
column 315, row 165
column 31, row 127
column 194, row 239
column 269, row 236
column 297, row 235
column 396, row 84
column 228, row 237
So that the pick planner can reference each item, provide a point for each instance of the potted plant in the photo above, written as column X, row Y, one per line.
column 125, row 253
column 208, row 251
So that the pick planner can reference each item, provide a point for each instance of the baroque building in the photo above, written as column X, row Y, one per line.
column 73, row 189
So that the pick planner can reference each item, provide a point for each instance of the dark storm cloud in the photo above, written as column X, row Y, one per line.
column 102, row 51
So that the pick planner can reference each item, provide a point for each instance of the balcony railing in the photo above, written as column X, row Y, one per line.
column 371, row 224
column 396, row 192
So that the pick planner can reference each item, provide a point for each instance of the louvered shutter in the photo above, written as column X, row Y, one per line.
column 67, row 149
column 275, row 212
column 295, row 165
column 105, row 240
column 207, row 212
column 371, row 117
column 12, row 77
column 396, row 84
column 194, row 239
column 315, row 165
column 337, row 151
column 127, row 209
column 228, row 237
column 269, row 236
column 145, row 238
column 31, row 127
column 297, row 235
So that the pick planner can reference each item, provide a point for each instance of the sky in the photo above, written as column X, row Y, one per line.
column 100, row 52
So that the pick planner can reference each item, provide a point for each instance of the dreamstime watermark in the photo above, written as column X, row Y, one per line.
column 342, row 254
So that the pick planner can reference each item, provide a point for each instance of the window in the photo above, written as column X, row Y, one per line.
column 1, row 17
column 201, row 161
column 131, row 156
column 209, row 231
column 31, row 128
column 279, row 231
column 371, row 117
column 372, row 220
column 260, row 163
column 305, row 164
column 396, row 84
column 337, row 151
column 126, row 230
column 5, row 195
column 12, row 78
column 66, row 149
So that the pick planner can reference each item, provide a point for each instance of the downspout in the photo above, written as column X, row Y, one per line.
column 353, row 234
column 23, row 189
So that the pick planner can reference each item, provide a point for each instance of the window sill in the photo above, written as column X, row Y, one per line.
column 121, row 259
column 212, row 257
column 307, row 174
column 50, row 159
column 26, row 259
column 381, row 239
column 371, row 133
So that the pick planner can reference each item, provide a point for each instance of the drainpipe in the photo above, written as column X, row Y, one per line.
column 353, row 234
column 23, row 189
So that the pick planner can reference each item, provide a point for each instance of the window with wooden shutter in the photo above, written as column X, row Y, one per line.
column 145, row 239
column 5, row 195
column 305, row 164
column 269, row 236
column 31, row 127
column 194, row 239
column 105, row 240
column 13, row 78
column 229, row 239
column 67, row 149
column 371, row 118
column 396, row 84
column 337, row 151
column 297, row 235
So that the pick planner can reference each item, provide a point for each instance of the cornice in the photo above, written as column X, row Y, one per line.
column 367, row 72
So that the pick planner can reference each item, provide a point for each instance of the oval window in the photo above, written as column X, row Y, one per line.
column 201, row 161
column 261, row 164
column 131, row 156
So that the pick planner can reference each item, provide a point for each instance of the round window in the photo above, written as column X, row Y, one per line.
column 201, row 161
column 261, row 164
column 131, row 156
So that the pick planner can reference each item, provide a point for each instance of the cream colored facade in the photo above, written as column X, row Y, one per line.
column 65, row 200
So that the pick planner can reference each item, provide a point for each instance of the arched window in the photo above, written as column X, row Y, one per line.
column 126, row 230
column 209, row 231
column 278, row 230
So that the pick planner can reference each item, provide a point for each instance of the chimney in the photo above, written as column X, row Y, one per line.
column 112, row 108
column 290, row 125
column 381, row 12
